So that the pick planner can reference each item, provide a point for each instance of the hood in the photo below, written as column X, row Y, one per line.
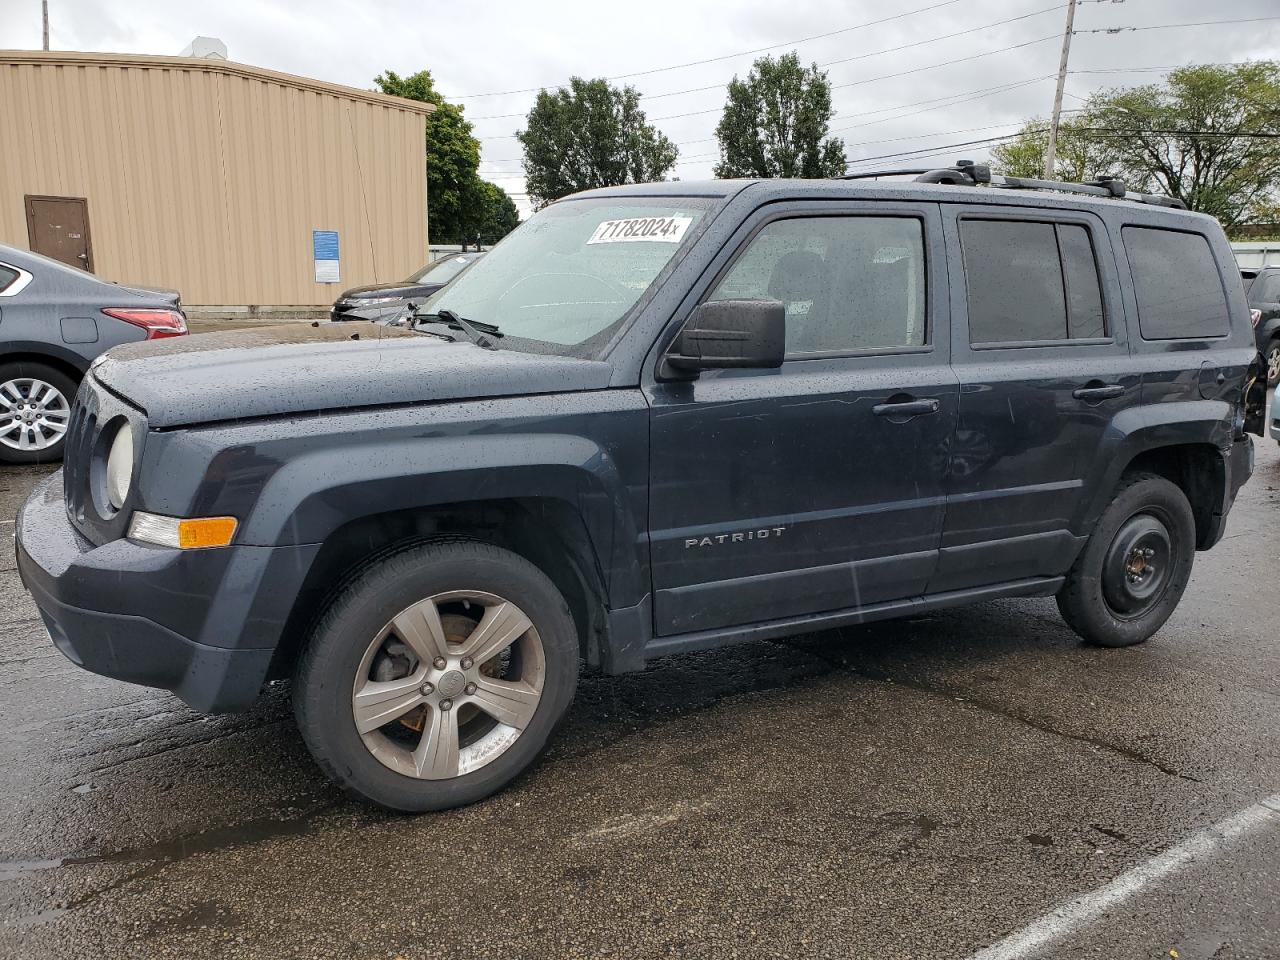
column 301, row 368
column 400, row 288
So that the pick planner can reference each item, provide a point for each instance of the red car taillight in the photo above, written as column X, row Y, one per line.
column 157, row 323
column 1255, row 317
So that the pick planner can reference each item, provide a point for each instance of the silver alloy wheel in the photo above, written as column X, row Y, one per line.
column 1273, row 363
column 33, row 414
column 448, row 685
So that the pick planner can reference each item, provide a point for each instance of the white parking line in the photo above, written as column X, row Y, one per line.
column 1083, row 910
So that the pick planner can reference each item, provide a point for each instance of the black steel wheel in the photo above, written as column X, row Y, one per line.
column 1134, row 569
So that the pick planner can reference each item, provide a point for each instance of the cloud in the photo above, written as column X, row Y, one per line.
column 504, row 45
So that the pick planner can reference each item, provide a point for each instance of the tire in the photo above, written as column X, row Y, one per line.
column 1112, row 596
column 44, row 395
column 1272, row 357
column 343, row 677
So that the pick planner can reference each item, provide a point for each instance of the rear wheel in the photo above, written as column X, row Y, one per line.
column 1135, row 567
column 35, row 410
column 437, row 676
column 1272, row 356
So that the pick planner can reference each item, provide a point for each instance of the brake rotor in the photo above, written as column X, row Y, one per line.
column 456, row 630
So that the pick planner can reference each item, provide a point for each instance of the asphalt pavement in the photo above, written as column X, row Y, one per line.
column 924, row 788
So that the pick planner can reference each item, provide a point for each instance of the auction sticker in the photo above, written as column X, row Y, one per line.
column 659, row 229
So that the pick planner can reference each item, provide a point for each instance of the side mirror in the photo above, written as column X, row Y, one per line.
column 731, row 333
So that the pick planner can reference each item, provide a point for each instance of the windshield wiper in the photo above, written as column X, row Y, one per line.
column 475, row 330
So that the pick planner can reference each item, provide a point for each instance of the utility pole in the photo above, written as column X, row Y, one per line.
column 1051, row 152
column 44, row 10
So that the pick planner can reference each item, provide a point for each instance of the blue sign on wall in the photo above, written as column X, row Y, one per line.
column 324, row 247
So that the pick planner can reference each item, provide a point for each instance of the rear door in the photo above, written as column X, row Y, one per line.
column 817, row 486
column 1040, row 348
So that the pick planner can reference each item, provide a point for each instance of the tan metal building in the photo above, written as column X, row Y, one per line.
column 220, row 180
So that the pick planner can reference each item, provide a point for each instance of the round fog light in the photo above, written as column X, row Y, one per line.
column 120, row 467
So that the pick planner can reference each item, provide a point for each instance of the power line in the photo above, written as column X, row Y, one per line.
column 953, row 98
column 885, row 76
column 874, row 53
column 944, row 63
column 913, row 136
column 940, row 148
column 954, row 101
column 1172, row 26
column 727, row 56
column 832, row 63
column 1116, row 70
column 914, row 70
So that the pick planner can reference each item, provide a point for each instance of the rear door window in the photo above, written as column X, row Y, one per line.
column 1176, row 282
column 1031, row 282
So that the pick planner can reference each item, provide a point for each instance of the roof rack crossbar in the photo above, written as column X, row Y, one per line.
column 1104, row 188
column 873, row 174
column 966, row 173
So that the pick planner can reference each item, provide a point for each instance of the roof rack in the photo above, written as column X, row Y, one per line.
column 966, row 173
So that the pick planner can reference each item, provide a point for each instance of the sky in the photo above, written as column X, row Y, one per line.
column 906, row 76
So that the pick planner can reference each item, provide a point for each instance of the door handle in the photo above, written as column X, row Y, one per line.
column 905, row 408
column 1099, row 393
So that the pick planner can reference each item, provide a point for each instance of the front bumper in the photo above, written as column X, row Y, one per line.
column 201, row 623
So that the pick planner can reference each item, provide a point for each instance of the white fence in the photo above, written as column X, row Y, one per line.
column 1260, row 254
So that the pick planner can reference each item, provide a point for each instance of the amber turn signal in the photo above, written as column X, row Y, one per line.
column 192, row 534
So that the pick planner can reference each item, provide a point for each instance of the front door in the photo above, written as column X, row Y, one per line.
column 58, row 227
column 818, row 486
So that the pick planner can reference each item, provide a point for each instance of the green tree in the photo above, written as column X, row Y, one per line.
column 1080, row 155
column 498, row 215
column 1208, row 136
column 590, row 134
column 453, row 157
column 775, row 123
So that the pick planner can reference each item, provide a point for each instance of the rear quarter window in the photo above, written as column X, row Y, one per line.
column 7, row 276
column 1177, row 285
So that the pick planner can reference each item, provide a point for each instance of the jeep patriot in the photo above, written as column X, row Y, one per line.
column 656, row 418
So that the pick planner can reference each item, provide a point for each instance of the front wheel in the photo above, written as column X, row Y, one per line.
column 1135, row 567
column 1272, row 356
column 35, row 411
column 437, row 675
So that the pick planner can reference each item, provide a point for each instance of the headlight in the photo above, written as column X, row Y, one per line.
column 372, row 302
column 120, row 467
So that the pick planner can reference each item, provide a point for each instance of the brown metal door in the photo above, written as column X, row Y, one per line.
column 58, row 227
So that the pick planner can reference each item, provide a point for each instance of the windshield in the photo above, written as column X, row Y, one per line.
column 442, row 270
column 565, row 278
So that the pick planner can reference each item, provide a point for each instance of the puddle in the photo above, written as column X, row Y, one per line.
column 14, row 869
column 219, row 838
column 34, row 919
column 171, row 851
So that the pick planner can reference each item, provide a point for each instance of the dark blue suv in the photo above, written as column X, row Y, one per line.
column 655, row 419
